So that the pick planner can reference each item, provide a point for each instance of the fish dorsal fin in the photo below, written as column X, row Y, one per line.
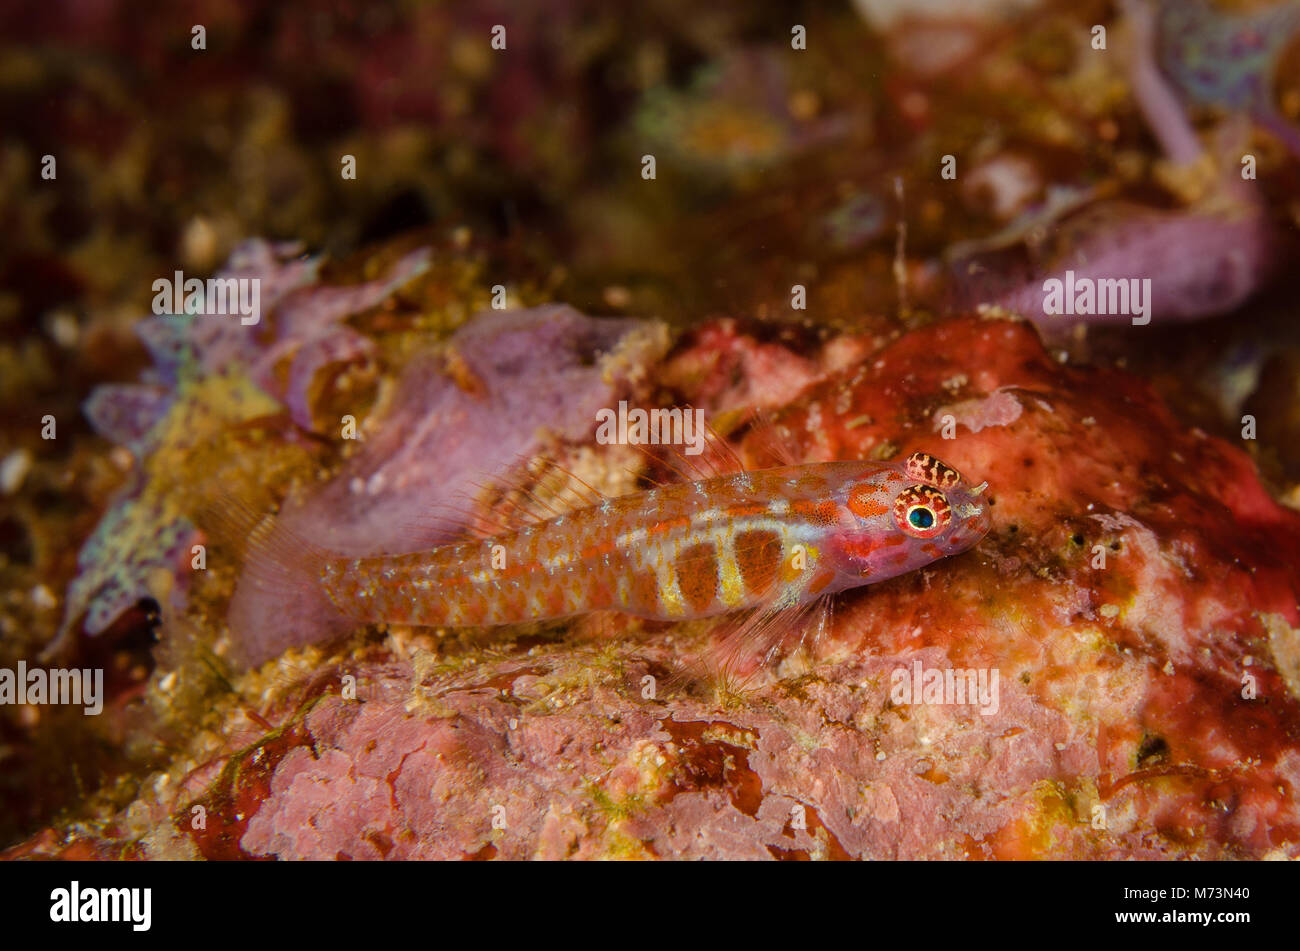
column 768, row 443
column 532, row 490
column 702, row 454
column 537, row 491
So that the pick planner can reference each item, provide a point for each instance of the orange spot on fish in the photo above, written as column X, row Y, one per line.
column 758, row 555
column 697, row 575
column 819, row 512
column 865, row 503
column 644, row 594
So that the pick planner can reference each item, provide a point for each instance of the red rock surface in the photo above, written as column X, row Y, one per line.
column 1123, row 726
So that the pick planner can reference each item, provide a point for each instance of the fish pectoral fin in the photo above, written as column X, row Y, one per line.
column 747, row 644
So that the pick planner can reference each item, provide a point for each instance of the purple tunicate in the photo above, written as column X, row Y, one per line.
column 309, row 332
column 1199, row 264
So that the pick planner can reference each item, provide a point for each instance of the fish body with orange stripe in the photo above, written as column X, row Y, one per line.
column 768, row 539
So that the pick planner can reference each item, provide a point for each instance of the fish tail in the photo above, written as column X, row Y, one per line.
column 280, row 600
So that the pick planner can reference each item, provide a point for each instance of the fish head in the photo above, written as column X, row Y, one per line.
column 902, row 516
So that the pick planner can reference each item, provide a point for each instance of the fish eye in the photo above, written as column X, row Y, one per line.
column 922, row 511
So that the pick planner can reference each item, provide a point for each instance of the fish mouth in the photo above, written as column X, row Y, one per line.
column 972, row 510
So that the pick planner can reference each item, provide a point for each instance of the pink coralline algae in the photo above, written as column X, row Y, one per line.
column 501, row 772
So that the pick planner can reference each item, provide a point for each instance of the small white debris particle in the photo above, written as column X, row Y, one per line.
column 122, row 458
column 14, row 469
column 63, row 328
column 42, row 598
